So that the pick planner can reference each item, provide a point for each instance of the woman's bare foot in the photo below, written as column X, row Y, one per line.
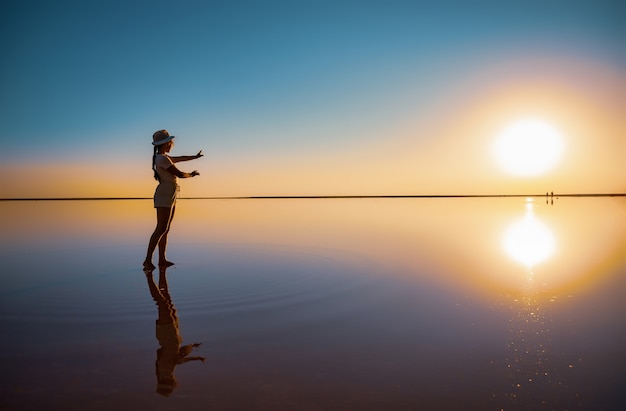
column 165, row 263
column 147, row 265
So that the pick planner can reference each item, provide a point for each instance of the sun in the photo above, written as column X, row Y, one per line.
column 528, row 148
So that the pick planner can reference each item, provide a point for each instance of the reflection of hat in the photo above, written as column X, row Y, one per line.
column 166, row 386
column 165, row 389
column 161, row 137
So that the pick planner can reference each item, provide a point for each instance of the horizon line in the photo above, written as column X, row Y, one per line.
column 289, row 197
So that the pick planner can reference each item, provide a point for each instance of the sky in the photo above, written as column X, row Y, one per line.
column 308, row 97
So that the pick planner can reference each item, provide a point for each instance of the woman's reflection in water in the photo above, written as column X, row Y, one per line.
column 171, row 353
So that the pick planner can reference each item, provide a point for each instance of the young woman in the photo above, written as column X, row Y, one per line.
column 166, row 173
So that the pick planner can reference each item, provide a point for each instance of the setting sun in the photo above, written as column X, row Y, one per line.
column 528, row 148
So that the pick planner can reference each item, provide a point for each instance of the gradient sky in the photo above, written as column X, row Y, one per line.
column 308, row 97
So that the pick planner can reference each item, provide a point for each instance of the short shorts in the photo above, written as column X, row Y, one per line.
column 165, row 194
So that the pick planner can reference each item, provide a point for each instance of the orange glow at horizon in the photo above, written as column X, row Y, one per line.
column 407, row 237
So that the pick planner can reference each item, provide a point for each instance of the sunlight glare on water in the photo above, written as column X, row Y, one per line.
column 528, row 240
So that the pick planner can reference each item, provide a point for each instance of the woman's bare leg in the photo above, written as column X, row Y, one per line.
column 163, row 241
column 163, row 221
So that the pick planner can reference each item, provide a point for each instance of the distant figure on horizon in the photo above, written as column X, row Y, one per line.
column 171, row 352
column 166, row 173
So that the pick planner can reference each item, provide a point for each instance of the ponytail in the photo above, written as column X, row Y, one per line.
column 154, row 168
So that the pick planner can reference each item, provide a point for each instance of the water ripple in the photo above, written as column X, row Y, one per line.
column 209, row 279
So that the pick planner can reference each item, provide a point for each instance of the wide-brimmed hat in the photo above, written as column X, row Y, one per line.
column 161, row 137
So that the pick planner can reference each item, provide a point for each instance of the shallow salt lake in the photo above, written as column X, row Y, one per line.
column 315, row 304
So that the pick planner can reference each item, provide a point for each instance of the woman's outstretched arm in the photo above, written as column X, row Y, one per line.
column 186, row 158
column 181, row 174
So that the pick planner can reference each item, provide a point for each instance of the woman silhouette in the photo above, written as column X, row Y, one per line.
column 166, row 173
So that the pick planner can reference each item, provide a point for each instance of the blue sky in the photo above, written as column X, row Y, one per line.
column 246, row 80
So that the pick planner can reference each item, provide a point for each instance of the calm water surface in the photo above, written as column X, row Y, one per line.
column 353, row 304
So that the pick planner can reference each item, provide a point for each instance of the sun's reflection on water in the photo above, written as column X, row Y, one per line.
column 528, row 240
column 537, row 378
